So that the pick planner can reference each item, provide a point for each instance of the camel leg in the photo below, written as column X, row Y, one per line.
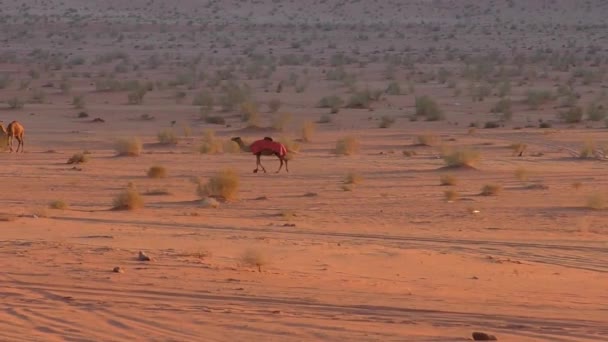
column 260, row 163
column 280, row 166
column 257, row 163
column 21, row 143
column 10, row 143
column 286, row 169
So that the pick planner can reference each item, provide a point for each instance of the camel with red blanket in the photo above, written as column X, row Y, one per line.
column 266, row 147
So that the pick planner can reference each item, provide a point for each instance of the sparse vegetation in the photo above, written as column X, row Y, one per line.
column 427, row 139
column 308, row 131
column 167, row 137
column 128, row 147
column 157, row 171
column 129, row 199
column 353, row 178
column 461, row 157
column 522, row 174
column 386, row 121
column 254, row 258
column 597, row 201
column 78, row 158
column 447, row 179
column 451, row 195
column 347, row 146
column 427, row 108
column 58, row 204
column 491, row 189
column 224, row 185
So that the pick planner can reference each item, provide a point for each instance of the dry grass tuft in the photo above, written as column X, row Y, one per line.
column 224, row 185
column 254, row 258
column 588, row 150
column 518, row 148
column 210, row 202
column 597, row 201
column 78, row 158
column 128, row 147
column 426, row 140
column 522, row 174
column 353, row 178
column 308, row 130
column 491, row 189
column 157, row 172
column 461, row 157
column 281, row 121
column 451, row 195
column 129, row 199
column 347, row 146
column 288, row 214
column 58, row 204
column 446, row 180
column 167, row 137
column 409, row 153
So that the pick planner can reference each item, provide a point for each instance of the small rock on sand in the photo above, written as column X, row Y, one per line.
column 118, row 269
column 143, row 257
column 480, row 336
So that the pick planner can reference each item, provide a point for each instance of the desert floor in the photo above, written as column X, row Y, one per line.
column 388, row 258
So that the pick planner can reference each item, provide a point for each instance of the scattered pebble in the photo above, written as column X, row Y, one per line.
column 118, row 269
column 143, row 257
column 480, row 336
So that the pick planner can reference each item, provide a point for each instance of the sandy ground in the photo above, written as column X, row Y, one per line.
column 387, row 259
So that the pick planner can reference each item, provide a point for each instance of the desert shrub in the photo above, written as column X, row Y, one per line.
column 210, row 144
column 429, row 109
column 78, row 158
column 386, row 121
column 78, row 101
column 58, row 204
column 491, row 124
column 360, row 99
column 572, row 115
column 157, row 171
column 491, row 189
column 596, row 112
column 588, row 149
column 427, row 139
column 136, row 96
column 253, row 258
column 353, row 178
column 544, row 124
column 597, row 201
column 215, row 120
column 5, row 80
column 167, row 137
column 325, row 118
column 409, row 153
column 393, row 89
column 536, row 98
column 518, row 148
column 347, row 146
column 281, row 121
column 522, row 174
column 446, row 180
column 38, row 96
column 503, row 107
column 308, row 131
column 250, row 114
column 234, row 95
column 274, row 105
column 203, row 99
column 211, row 147
column 461, row 157
column 331, row 102
column 230, row 146
column 129, row 199
column 15, row 103
column 128, row 147
column 224, row 185
column 451, row 195
column 83, row 115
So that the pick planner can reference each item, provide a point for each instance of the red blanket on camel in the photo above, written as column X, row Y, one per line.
column 260, row 145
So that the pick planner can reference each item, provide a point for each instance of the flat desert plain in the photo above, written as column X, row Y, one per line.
column 447, row 170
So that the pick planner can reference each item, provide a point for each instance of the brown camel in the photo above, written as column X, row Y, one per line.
column 266, row 147
column 13, row 130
